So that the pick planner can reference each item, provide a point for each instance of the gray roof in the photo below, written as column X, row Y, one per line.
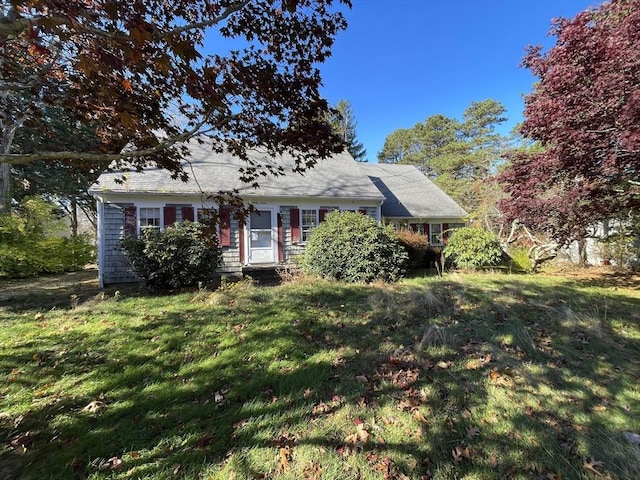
column 409, row 193
column 336, row 177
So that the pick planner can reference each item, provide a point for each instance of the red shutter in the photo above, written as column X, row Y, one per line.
column 294, row 220
column 427, row 231
column 445, row 233
column 169, row 216
column 130, row 221
column 413, row 227
column 225, row 227
column 187, row 214
column 280, row 245
column 321, row 214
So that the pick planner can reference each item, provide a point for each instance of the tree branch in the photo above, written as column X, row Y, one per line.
column 25, row 159
column 14, row 27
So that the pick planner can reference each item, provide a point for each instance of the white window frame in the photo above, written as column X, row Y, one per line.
column 305, row 230
column 439, row 234
column 142, row 227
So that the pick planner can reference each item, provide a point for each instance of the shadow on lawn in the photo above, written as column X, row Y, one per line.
column 192, row 397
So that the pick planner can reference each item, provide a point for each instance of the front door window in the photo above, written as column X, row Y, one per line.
column 261, row 237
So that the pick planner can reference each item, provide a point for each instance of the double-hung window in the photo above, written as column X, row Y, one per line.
column 149, row 218
column 435, row 230
column 309, row 220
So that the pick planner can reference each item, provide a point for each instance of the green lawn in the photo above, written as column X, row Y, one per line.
column 466, row 376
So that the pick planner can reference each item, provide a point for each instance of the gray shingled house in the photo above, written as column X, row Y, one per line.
column 288, row 207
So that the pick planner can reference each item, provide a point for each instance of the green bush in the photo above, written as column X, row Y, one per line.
column 473, row 248
column 180, row 256
column 519, row 259
column 29, row 244
column 353, row 247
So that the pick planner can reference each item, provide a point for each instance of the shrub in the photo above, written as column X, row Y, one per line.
column 415, row 244
column 29, row 245
column 353, row 247
column 180, row 256
column 471, row 247
column 520, row 260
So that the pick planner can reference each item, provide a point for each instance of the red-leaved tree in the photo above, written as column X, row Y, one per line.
column 148, row 75
column 585, row 113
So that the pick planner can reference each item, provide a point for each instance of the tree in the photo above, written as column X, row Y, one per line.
column 139, row 72
column 344, row 124
column 59, row 181
column 584, row 111
column 456, row 154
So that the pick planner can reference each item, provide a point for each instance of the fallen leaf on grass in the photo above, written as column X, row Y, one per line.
column 359, row 437
column 472, row 432
column 500, row 379
column 362, row 379
column 176, row 468
column 312, row 471
column 93, row 406
column 284, row 458
column 591, row 464
column 21, row 441
column 112, row 463
column 460, row 453
column 444, row 365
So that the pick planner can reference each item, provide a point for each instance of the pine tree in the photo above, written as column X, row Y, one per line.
column 344, row 124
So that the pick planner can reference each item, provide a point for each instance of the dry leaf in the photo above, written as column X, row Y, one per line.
column 284, row 457
column 218, row 397
column 472, row 432
column 362, row 379
column 93, row 406
column 460, row 453
column 591, row 465
column 176, row 468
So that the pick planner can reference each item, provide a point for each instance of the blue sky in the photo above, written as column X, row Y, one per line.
column 401, row 61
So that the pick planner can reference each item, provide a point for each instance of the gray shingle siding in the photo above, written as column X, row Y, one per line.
column 116, row 268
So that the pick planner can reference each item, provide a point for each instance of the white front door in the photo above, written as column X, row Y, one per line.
column 262, row 237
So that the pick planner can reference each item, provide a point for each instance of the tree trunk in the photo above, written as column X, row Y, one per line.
column 582, row 253
column 74, row 217
column 5, row 188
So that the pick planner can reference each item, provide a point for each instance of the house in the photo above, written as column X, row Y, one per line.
column 414, row 202
column 288, row 207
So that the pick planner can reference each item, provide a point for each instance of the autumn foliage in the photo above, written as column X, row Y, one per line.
column 584, row 112
column 149, row 75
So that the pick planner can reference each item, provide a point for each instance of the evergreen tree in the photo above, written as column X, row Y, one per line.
column 344, row 124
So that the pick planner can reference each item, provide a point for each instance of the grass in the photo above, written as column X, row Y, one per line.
column 466, row 376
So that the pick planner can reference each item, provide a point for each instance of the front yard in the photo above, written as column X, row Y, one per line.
column 466, row 376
